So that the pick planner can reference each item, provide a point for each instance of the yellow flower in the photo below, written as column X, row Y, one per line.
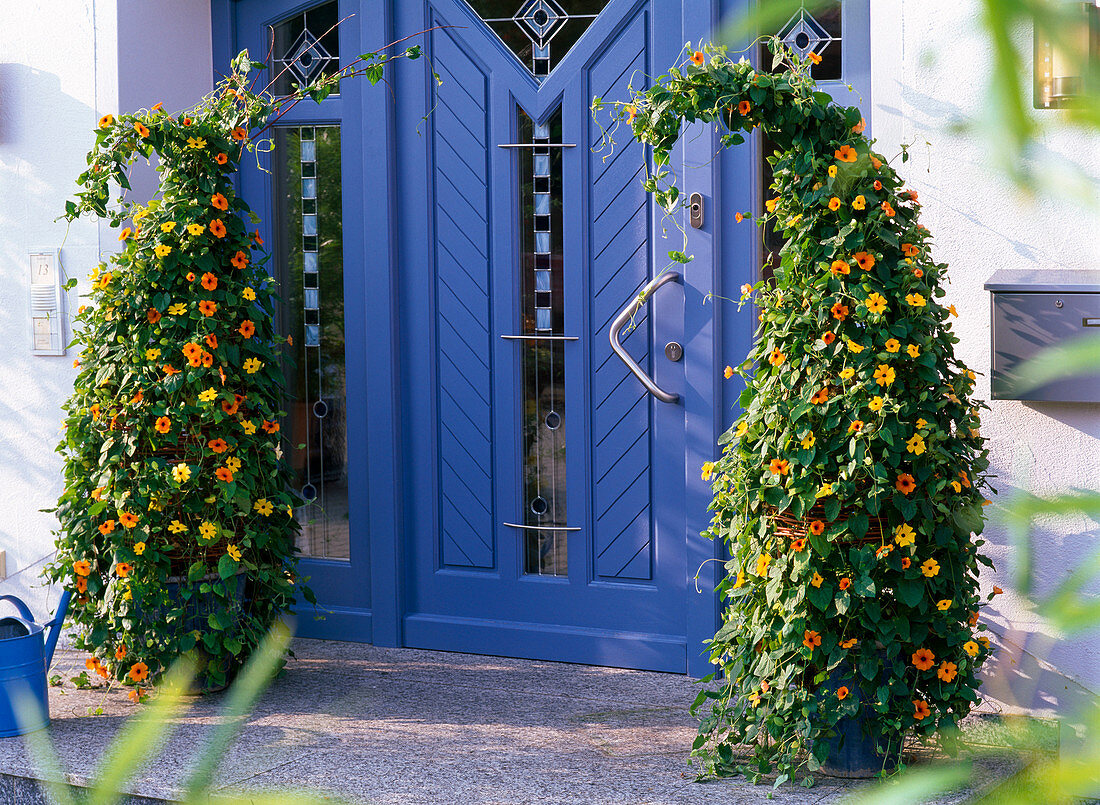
column 943, row 605
column 152, row 354
column 904, row 535
column 249, row 294
column 762, row 562
column 181, row 473
column 915, row 445
column 708, row 470
column 824, row 491
column 233, row 464
column 248, row 427
column 915, row 300
column 808, row 442
column 847, row 373
column 893, row 345
column 196, row 142
column 177, row 309
column 930, row 568
column 832, row 170
column 234, row 552
column 956, row 486
column 854, row 347
column 817, row 579
column 263, row 506
column 176, row 527
column 876, row 303
column 971, row 648
column 875, row 404
column 953, row 311
column 167, row 226
column 140, row 214
column 740, row 579
column 208, row 395
column 984, row 641
column 208, row 531
column 139, row 548
column 252, row 365
column 742, row 428
column 859, row 203
column 884, row 375
column 162, row 249
column 195, row 229
column 922, row 424
column 913, row 350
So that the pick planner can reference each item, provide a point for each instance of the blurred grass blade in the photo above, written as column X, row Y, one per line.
column 1021, row 514
column 250, row 683
column 142, row 735
column 1076, row 357
column 40, row 746
column 914, row 786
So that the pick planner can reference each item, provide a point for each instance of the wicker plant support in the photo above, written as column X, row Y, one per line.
column 789, row 528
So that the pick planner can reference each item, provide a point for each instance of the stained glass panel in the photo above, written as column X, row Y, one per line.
column 818, row 31
column 304, row 47
column 310, row 271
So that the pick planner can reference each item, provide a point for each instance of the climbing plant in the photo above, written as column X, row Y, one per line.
column 848, row 491
column 177, row 528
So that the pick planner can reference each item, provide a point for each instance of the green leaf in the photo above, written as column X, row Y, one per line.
column 910, row 592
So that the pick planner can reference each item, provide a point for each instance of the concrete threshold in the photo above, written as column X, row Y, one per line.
column 359, row 723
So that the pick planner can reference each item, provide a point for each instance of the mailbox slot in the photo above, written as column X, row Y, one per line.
column 1035, row 310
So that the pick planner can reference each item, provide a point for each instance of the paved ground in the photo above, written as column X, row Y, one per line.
column 402, row 726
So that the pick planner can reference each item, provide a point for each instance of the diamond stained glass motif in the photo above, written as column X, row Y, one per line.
column 305, row 47
column 539, row 32
column 819, row 33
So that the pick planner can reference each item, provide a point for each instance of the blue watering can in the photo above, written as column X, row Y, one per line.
column 25, row 656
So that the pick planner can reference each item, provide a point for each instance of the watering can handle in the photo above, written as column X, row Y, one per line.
column 24, row 611
column 55, row 626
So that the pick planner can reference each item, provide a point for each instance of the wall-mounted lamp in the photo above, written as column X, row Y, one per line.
column 1067, row 55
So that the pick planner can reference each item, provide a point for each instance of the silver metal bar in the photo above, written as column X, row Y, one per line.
column 539, row 527
column 541, row 337
column 536, row 145
column 621, row 321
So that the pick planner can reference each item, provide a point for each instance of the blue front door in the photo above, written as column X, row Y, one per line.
column 543, row 485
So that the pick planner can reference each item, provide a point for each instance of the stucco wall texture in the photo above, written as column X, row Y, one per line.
column 63, row 63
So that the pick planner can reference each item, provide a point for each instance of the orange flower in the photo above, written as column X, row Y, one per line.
column 839, row 267
column 905, row 562
column 82, row 567
column 860, row 126
column 921, row 709
column 877, row 185
column 186, row 121
column 107, row 527
column 909, row 250
column 906, row 483
column 697, row 58
column 817, row 527
column 256, row 237
column 810, row 638
column 839, row 311
column 137, row 397
column 845, row 153
column 744, row 107
column 120, row 652
column 231, row 407
column 820, row 396
column 217, row 228
column 247, row 329
column 221, row 159
column 106, row 121
column 842, row 693
column 876, row 162
column 844, row 583
column 209, row 281
column 799, row 545
column 964, row 479
column 829, row 337
column 212, row 341
column 918, row 273
column 219, row 201
column 923, row 659
column 728, row 373
column 125, row 233
column 912, row 195
column 207, row 359
column 864, row 260
column 270, row 427
column 158, row 106
column 140, row 129
column 973, row 619
column 239, row 260
column 81, row 584
column 224, row 474
column 856, row 426
column 239, row 134
column 123, row 569
column 170, row 370
column 776, row 357
column 947, row 671
column 815, row 58
column 779, row 466
column 190, row 276
column 218, row 445
column 889, row 210
column 153, row 315
column 207, row 308
column 849, row 643
column 997, row 590
column 834, row 204
column 138, row 671
column 128, row 519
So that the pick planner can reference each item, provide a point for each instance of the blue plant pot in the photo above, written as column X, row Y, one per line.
column 853, row 751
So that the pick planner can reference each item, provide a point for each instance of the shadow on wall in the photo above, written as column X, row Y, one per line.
column 44, row 135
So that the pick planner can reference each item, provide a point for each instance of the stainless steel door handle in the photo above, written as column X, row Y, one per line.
column 621, row 321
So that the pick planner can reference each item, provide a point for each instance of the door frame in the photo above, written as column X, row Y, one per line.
column 704, row 397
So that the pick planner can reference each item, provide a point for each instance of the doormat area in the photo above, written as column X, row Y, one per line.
column 366, row 724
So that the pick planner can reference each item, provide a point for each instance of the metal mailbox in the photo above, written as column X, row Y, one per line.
column 1034, row 310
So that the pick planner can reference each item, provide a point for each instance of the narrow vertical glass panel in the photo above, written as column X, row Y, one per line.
column 305, row 47
column 543, row 402
column 310, row 272
column 539, row 32
column 820, row 32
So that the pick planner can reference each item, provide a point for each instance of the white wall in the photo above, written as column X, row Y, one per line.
column 930, row 65
column 59, row 72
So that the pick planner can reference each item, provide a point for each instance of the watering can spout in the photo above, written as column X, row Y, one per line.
column 55, row 626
